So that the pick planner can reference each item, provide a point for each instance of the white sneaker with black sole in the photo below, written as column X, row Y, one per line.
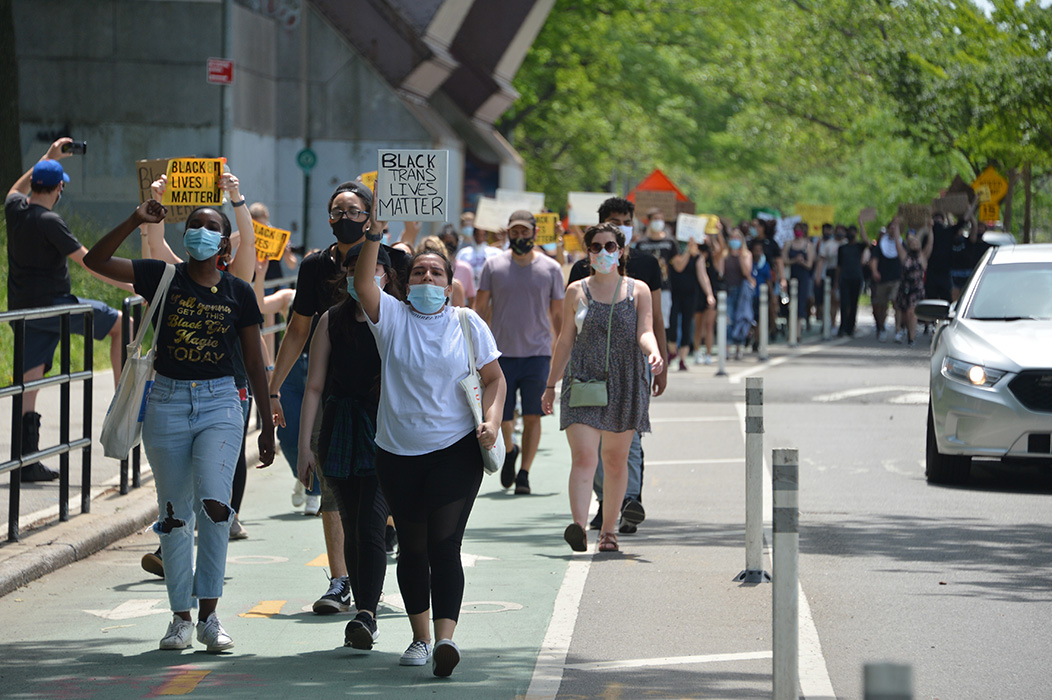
column 179, row 635
column 213, row 636
column 336, row 599
column 416, row 654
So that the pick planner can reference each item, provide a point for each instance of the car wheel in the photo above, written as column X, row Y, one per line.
column 940, row 468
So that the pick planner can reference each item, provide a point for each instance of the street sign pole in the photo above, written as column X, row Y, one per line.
column 306, row 159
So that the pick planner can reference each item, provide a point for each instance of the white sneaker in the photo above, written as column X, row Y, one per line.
column 213, row 636
column 416, row 654
column 298, row 494
column 699, row 358
column 237, row 530
column 179, row 634
column 882, row 336
column 445, row 658
column 708, row 359
column 899, row 337
column 313, row 506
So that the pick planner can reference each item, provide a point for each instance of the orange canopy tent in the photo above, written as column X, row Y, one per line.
column 657, row 181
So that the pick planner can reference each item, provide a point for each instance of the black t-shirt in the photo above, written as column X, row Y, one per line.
column 663, row 250
column 198, row 329
column 962, row 253
column 889, row 267
column 644, row 268
column 38, row 242
column 685, row 284
column 941, row 247
column 849, row 261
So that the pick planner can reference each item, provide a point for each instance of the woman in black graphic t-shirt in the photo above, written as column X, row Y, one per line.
column 193, row 420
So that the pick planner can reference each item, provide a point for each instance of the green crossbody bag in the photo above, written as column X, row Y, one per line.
column 592, row 392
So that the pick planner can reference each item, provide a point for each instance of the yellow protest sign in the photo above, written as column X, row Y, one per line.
column 712, row 224
column 814, row 215
column 150, row 170
column 983, row 193
column 998, row 186
column 194, row 182
column 270, row 242
column 369, row 179
column 989, row 211
column 546, row 228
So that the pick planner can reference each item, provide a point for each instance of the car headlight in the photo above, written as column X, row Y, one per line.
column 971, row 373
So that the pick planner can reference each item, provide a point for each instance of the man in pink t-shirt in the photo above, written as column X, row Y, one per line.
column 520, row 294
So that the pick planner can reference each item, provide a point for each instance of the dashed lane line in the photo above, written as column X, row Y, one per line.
column 670, row 661
column 800, row 352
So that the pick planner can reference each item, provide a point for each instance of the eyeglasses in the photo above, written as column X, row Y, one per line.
column 610, row 247
column 353, row 214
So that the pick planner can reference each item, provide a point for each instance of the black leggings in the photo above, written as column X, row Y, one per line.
column 363, row 513
column 430, row 497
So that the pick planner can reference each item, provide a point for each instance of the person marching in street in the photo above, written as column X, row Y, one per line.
column 886, row 270
column 705, row 317
column 193, row 422
column 428, row 457
column 852, row 260
column 914, row 261
column 687, row 280
column 478, row 251
column 520, row 295
column 799, row 255
column 663, row 248
column 736, row 269
column 344, row 381
column 39, row 247
column 619, row 212
column 586, row 351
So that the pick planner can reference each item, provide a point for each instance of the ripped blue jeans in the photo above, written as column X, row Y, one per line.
column 192, row 436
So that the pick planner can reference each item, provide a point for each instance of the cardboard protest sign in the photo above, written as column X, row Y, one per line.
column 584, row 207
column 684, row 207
column 148, row 171
column 369, row 179
column 783, row 230
column 814, row 215
column 689, row 226
column 655, row 199
column 868, row 214
column 412, row 185
column 956, row 204
column 914, row 216
column 531, row 201
column 493, row 215
column 194, row 182
column 270, row 241
column 546, row 228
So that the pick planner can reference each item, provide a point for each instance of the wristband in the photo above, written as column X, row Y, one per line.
column 375, row 237
column 275, row 396
column 269, row 368
column 550, row 387
column 239, row 204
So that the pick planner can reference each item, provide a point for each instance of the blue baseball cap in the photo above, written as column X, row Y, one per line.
column 48, row 173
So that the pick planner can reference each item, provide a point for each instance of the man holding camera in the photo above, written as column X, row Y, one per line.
column 38, row 245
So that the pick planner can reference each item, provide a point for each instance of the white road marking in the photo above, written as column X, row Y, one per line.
column 868, row 390
column 670, row 661
column 919, row 398
column 802, row 352
column 671, row 462
column 130, row 609
column 469, row 560
column 814, row 675
column 548, row 671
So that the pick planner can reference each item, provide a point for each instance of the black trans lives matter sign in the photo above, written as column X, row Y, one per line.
column 412, row 185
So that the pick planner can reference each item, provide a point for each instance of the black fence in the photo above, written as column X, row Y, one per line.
column 63, row 379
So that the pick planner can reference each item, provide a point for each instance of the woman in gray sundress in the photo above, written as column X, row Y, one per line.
column 581, row 352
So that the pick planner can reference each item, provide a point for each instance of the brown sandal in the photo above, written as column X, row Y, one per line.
column 608, row 542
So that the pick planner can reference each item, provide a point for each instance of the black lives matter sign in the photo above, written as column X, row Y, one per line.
column 412, row 185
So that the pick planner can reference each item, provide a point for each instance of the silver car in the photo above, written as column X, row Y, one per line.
column 991, row 365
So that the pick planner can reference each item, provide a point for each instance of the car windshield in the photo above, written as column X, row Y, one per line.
column 1013, row 292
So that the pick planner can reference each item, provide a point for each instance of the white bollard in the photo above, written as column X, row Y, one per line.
column 721, row 333
column 827, row 309
column 785, row 560
column 753, row 572
column 794, row 292
column 888, row 682
column 763, row 321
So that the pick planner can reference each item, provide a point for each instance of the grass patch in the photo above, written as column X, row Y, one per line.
column 83, row 285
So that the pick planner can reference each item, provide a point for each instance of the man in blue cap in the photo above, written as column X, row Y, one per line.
column 38, row 244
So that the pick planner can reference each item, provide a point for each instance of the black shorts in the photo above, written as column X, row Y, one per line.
column 528, row 376
column 43, row 334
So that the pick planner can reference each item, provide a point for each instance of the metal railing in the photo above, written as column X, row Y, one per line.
column 63, row 379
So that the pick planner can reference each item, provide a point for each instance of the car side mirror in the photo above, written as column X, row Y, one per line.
column 931, row 310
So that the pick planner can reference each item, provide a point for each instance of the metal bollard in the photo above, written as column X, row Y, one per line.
column 721, row 333
column 763, row 321
column 827, row 310
column 888, row 682
column 794, row 292
column 786, row 532
column 753, row 572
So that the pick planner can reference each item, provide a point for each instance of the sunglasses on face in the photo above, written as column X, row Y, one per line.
column 610, row 247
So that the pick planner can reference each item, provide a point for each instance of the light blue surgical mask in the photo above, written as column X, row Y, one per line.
column 550, row 247
column 201, row 243
column 735, row 244
column 427, row 298
column 350, row 285
column 627, row 231
column 467, row 231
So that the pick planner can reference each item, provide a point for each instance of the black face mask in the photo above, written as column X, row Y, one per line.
column 850, row 238
column 521, row 246
column 347, row 231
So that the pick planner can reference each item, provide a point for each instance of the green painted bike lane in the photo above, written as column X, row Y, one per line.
column 90, row 630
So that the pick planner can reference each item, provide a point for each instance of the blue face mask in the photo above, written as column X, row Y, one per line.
column 379, row 279
column 734, row 244
column 200, row 243
column 550, row 247
column 427, row 298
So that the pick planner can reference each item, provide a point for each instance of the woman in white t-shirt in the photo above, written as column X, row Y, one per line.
column 428, row 459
